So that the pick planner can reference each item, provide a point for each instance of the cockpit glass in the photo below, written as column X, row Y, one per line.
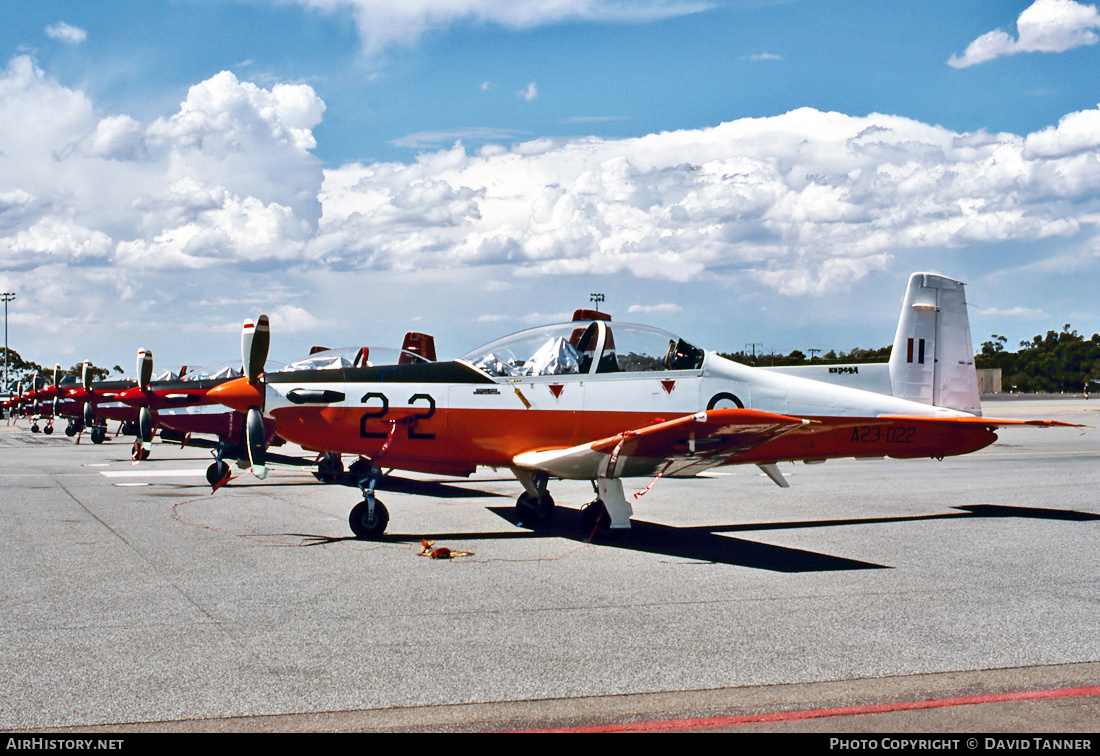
column 351, row 357
column 570, row 348
column 229, row 369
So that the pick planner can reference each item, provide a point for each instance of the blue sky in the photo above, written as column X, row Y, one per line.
column 738, row 172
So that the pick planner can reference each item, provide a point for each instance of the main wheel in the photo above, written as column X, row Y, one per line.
column 70, row 430
column 217, row 473
column 537, row 510
column 99, row 434
column 595, row 517
column 329, row 469
column 34, row 428
column 363, row 525
column 48, row 430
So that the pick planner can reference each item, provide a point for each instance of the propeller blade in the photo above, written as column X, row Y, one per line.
column 255, row 339
column 85, row 378
column 257, row 442
column 56, row 405
column 144, row 367
column 145, row 428
column 89, row 415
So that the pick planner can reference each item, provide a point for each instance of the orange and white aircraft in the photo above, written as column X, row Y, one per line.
column 601, row 401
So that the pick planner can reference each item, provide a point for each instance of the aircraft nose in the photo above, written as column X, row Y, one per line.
column 132, row 397
column 238, row 394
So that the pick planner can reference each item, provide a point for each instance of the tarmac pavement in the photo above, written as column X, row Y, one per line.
column 133, row 599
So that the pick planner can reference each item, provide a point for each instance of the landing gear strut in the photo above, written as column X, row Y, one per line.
column 139, row 453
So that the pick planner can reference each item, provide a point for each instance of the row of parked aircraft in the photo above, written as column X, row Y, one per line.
column 590, row 399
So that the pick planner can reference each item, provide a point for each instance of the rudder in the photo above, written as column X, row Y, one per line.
column 932, row 360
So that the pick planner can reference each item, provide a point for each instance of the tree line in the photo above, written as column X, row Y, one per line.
column 1059, row 362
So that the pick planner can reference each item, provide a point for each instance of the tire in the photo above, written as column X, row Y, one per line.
column 217, row 472
column 538, row 511
column 368, row 529
column 595, row 518
column 330, row 469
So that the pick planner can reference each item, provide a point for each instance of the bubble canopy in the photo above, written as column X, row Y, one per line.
column 586, row 348
column 351, row 357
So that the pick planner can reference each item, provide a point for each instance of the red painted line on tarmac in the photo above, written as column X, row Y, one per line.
column 790, row 716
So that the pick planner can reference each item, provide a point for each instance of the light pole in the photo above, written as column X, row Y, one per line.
column 7, row 296
column 753, row 345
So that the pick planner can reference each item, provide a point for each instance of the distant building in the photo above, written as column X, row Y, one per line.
column 989, row 381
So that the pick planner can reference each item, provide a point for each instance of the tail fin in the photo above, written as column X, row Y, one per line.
column 932, row 361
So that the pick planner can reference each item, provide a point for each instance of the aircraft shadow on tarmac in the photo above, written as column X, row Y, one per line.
column 706, row 543
column 710, row 543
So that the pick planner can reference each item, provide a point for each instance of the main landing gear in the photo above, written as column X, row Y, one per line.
column 595, row 518
column 329, row 468
column 368, row 518
column 535, row 506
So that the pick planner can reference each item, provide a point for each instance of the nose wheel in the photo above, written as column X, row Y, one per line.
column 369, row 522
column 217, row 474
column 139, row 453
column 368, row 518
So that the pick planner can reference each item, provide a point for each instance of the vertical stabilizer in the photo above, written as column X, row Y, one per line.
column 932, row 360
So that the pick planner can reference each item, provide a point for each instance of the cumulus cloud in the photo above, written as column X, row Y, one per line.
column 386, row 23
column 1045, row 26
column 67, row 33
column 1014, row 312
column 662, row 308
column 228, row 177
column 805, row 203
column 529, row 92
column 225, row 187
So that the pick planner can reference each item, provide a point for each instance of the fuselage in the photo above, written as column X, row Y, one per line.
column 451, row 417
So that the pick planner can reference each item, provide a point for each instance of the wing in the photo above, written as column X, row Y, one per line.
column 681, row 447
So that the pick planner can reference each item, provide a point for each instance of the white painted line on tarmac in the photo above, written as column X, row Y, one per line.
column 152, row 473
